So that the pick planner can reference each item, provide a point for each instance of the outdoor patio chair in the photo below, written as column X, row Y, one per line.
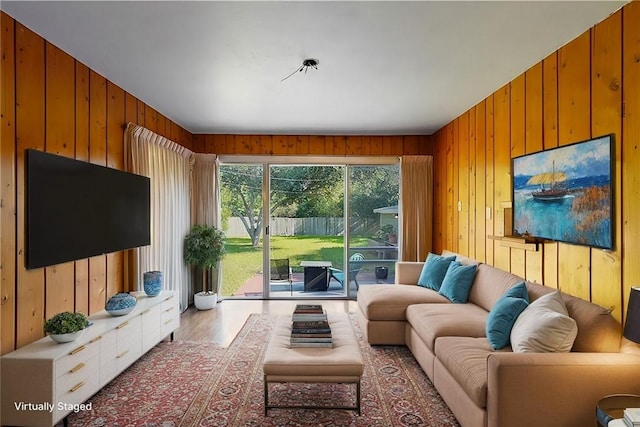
column 355, row 265
column 281, row 272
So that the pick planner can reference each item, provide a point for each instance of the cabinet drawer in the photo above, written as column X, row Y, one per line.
column 76, row 356
column 76, row 375
column 77, row 393
column 108, row 350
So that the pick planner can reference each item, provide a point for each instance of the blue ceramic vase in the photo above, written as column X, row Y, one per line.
column 121, row 304
column 152, row 281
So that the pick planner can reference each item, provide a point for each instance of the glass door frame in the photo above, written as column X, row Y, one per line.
column 268, row 161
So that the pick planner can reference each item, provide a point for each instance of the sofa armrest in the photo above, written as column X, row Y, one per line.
column 408, row 272
column 555, row 389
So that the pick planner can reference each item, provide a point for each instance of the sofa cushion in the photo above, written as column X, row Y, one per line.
column 544, row 326
column 431, row 321
column 504, row 314
column 389, row 302
column 457, row 282
column 466, row 360
column 433, row 271
column 490, row 284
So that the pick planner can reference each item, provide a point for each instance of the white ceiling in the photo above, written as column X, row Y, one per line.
column 385, row 67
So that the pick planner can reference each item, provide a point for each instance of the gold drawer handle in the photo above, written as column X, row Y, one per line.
column 168, row 321
column 77, row 387
column 121, row 355
column 145, row 312
column 77, row 367
column 98, row 338
column 122, row 325
column 77, row 350
column 168, row 309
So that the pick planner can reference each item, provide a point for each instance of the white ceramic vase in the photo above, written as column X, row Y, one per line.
column 204, row 301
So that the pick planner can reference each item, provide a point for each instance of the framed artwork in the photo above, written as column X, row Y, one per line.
column 565, row 194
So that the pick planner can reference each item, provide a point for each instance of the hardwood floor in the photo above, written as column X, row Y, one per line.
column 221, row 324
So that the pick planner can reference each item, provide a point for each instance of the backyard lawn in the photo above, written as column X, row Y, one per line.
column 242, row 261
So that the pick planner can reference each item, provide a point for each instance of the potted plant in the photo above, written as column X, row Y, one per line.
column 66, row 326
column 204, row 248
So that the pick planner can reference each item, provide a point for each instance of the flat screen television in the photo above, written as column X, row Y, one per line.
column 77, row 210
column 565, row 193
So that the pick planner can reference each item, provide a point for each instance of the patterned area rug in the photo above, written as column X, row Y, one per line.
column 201, row 384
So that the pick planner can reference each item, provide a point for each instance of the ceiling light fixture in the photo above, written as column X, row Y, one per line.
column 306, row 64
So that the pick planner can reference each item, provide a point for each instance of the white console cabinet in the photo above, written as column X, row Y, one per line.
column 41, row 381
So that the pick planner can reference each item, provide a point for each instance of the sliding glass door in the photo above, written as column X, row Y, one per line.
column 308, row 230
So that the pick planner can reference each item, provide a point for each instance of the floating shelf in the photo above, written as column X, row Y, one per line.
column 518, row 242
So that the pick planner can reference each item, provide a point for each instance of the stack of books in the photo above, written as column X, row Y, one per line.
column 632, row 417
column 310, row 327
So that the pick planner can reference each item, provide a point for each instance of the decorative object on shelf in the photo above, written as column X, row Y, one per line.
column 152, row 281
column 632, row 324
column 66, row 326
column 121, row 304
column 204, row 248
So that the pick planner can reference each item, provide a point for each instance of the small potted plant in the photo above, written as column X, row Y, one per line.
column 204, row 248
column 66, row 326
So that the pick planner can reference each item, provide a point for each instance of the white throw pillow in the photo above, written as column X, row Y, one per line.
column 544, row 327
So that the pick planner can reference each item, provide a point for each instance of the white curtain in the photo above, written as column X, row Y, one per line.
column 416, row 215
column 205, row 197
column 168, row 165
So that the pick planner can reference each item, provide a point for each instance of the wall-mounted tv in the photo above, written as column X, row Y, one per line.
column 565, row 193
column 77, row 210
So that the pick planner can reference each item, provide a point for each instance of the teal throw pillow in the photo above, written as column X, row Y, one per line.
column 504, row 314
column 433, row 271
column 457, row 282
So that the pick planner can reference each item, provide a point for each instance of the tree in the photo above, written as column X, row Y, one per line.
column 296, row 191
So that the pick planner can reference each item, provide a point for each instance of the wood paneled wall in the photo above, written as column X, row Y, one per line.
column 54, row 103
column 589, row 87
column 319, row 145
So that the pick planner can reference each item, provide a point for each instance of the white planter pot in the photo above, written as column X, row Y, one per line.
column 205, row 301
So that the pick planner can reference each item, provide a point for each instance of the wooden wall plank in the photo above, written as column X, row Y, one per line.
column 81, row 282
column 131, row 109
column 502, row 170
column 517, row 116
column 480, row 181
column 550, row 101
column 630, row 192
column 517, row 105
column 463, row 185
column 97, row 155
column 574, row 112
column 574, row 94
column 60, row 139
column 606, row 113
column 30, row 133
column 489, row 186
column 455, row 185
column 472, row 183
column 533, row 109
column 451, row 194
column 115, row 159
column 7, row 185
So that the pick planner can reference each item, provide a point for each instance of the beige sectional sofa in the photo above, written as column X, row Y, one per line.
column 487, row 387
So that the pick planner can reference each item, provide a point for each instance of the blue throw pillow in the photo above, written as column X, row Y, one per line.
column 457, row 282
column 504, row 314
column 433, row 271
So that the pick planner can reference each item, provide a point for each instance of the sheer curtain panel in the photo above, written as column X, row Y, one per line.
column 168, row 165
column 416, row 215
column 205, row 198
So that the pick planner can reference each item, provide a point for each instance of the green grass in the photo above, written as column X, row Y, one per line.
column 242, row 261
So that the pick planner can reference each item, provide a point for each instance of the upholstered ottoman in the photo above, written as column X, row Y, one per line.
column 341, row 363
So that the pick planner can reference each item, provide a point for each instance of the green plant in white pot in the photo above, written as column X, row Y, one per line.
column 65, row 326
column 204, row 248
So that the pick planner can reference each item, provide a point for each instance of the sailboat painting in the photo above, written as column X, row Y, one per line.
column 564, row 194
